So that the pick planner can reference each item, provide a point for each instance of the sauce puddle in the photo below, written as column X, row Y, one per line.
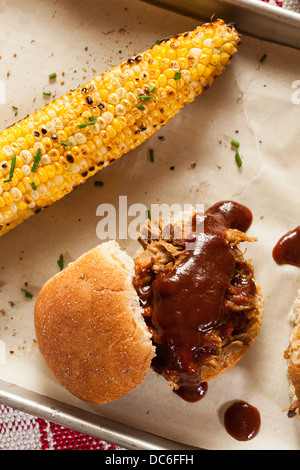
column 287, row 249
column 242, row 421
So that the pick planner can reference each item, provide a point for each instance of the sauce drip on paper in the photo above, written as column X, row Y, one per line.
column 287, row 249
column 242, row 421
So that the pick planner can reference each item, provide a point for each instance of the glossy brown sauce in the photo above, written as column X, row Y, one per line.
column 242, row 421
column 234, row 215
column 186, row 304
column 287, row 249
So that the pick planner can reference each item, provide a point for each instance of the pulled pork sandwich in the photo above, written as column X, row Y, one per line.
column 200, row 299
column 188, row 307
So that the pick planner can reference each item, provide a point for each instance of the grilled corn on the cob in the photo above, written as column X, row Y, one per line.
column 46, row 155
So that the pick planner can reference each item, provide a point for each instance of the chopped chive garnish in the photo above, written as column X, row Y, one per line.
column 177, row 76
column 60, row 262
column 15, row 108
column 47, row 93
column 52, row 75
column 148, row 214
column 37, row 158
column 12, row 169
column 66, row 144
column 33, row 185
column 27, row 294
column 238, row 159
column 263, row 58
column 92, row 121
column 99, row 183
column 146, row 97
column 151, row 155
column 235, row 144
column 141, row 106
column 152, row 89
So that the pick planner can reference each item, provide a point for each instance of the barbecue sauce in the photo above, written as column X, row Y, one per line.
column 287, row 249
column 187, row 303
column 242, row 421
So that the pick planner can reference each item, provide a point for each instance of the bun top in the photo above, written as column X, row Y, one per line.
column 89, row 326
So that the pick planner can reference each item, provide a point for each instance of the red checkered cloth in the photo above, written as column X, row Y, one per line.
column 288, row 4
column 20, row 431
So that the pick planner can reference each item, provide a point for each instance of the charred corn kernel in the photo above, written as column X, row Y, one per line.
column 70, row 139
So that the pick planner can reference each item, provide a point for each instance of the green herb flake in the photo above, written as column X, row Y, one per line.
column 235, row 144
column 66, row 144
column 148, row 214
column 33, row 185
column 238, row 159
column 92, row 121
column 151, row 155
column 12, row 169
column 141, row 107
column 263, row 58
column 37, row 158
column 52, row 76
column 27, row 294
column 146, row 97
column 47, row 93
column 177, row 76
column 152, row 89
column 60, row 262
column 15, row 108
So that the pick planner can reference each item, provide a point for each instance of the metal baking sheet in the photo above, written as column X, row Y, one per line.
column 253, row 17
column 77, row 41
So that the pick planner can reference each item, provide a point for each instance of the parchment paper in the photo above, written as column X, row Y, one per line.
column 251, row 102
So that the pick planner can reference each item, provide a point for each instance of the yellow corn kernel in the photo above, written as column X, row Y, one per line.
column 224, row 58
column 22, row 206
column 21, row 187
column 218, row 42
column 54, row 155
column 49, row 171
column 215, row 59
column 7, row 198
column 162, row 80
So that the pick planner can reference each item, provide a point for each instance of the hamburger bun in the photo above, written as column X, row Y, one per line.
column 292, row 354
column 89, row 326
